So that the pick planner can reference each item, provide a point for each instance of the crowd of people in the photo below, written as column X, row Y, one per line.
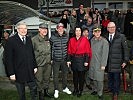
column 81, row 17
column 92, row 45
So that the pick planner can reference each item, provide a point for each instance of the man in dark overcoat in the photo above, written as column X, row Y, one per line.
column 117, row 59
column 20, row 62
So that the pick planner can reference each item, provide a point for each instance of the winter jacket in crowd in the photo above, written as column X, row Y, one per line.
column 118, row 52
column 59, row 46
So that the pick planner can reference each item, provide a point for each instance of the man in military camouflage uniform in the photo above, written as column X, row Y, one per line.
column 42, row 51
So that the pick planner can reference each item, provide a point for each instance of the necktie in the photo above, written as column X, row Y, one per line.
column 110, row 38
column 24, row 40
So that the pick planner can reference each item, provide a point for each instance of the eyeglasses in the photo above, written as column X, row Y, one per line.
column 22, row 28
column 111, row 27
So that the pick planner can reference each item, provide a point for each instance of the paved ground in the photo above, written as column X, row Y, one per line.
column 5, row 83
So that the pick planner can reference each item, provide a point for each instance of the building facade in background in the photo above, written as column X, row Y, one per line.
column 113, row 4
column 55, row 5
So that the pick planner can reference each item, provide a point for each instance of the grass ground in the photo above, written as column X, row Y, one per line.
column 12, row 95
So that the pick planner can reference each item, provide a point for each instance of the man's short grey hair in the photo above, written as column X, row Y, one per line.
column 112, row 23
column 21, row 23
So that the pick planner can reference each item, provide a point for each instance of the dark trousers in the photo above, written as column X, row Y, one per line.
column 57, row 66
column 21, row 90
column 114, row 82
column 78, row 80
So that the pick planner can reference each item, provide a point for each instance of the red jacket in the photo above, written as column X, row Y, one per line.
column 105, row 23
column 79, row 47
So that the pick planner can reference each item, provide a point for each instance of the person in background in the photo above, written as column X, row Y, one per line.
column 86, row 32
column 128, row 24
column 105, row 22
column 79, row 52
column 66, row 12
column 3, row 42
column 89, row 25
column 87, row 78
column 73, row 20
column 58, row 43
column 80, row 15
column 108, row 12
column 5, row 38
column 88, row 11
column 65, row 21
column 86, row 16
column 20, row 62
column 117, row 59
column 96, row 17
column 100, row 49
column 42, row 52
column 131, row 67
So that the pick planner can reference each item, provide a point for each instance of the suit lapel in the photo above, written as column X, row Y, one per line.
column 18, row 39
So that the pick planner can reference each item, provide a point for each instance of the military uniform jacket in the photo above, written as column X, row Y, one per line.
column 42, row 50
column 100, row 49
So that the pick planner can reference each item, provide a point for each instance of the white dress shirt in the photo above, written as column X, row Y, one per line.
column 21, row 37
column 112, row 35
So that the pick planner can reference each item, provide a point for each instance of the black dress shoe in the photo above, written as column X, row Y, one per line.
column 75, row 92
column 94, row 93
column 47, row 94
column 100, row 97
column 41, row 97
column 89, row 87
column 79, row 94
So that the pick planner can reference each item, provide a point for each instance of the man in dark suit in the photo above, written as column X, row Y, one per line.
column 117, row 59
column 20, row 62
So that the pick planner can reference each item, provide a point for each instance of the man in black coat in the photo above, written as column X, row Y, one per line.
column 117, row 59
column 128, row 27
column 20, row 62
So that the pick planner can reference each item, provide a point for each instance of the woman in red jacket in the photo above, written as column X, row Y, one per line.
column 105, row 22
column 79, row 53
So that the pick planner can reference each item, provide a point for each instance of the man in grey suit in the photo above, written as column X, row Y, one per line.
column 20, row 62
